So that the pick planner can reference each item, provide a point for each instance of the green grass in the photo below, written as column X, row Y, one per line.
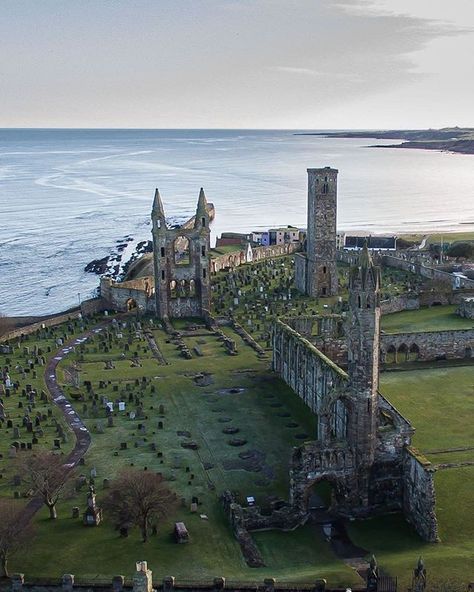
column 434, row 318
column 440, row 405
column 435, row 238
column 438, row 402
column 99, row 552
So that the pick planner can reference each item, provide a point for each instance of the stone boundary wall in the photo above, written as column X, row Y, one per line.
column 88, row 308
column 167, row 584
column 427, row 271
column 400, row 303
column 429, row 345
column 419, row 498
column 237, row 258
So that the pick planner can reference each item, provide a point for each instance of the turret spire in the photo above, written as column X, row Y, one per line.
column 158, row 210
column 202, row 216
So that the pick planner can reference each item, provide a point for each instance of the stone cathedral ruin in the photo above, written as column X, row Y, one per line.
column 362, row 445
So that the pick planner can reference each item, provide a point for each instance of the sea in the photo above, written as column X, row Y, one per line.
column 70, row 196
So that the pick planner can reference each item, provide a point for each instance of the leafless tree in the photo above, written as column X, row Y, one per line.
column 138, row 498
column 15, row 531
column 47, row 475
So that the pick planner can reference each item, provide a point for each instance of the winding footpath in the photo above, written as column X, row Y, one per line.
column 81, row 433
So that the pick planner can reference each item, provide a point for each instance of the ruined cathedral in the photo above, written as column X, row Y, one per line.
column 362, row 446
column 181, row 263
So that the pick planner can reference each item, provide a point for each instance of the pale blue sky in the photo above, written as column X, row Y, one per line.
column 236, row 63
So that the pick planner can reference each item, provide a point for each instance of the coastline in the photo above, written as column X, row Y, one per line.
column 455, row 140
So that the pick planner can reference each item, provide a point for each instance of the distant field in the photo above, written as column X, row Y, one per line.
column 448, row 237
column 434, row 318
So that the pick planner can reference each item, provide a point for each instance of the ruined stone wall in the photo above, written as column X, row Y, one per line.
column 427, row 271
column 300, row 272
column 237, row 258
column 429, row 345
column 419, row 498
column 123, row 296
column 400, row 303
column 466, row 308
column 304, row 368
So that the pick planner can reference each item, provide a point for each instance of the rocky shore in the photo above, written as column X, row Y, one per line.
column 124, row 255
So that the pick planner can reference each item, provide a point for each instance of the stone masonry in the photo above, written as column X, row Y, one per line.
column 315, row 270
column 362, row 445
column 181, row 263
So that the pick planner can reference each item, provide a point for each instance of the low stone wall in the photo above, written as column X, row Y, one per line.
column 419, row 497
column 255, row 254
column 88, row 308
column 427, row 346
column 400, row 303
column 426, row 271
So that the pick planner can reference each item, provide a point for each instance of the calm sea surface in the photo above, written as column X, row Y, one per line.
column 68, row 196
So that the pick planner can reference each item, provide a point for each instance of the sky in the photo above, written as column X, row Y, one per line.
column 294, row 64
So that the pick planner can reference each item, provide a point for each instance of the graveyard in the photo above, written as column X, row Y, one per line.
column 256, row 294
column 203, row 409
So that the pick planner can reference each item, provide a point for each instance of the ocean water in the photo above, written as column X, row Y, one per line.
column 69, row 196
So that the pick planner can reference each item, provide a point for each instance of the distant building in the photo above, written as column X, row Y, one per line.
column 230, row 239
column 340, row 240
column 374, row 243
column 284, row 236
column 261, row 238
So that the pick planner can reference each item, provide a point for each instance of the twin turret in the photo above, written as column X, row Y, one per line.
column 181, row 262
column 201, row 219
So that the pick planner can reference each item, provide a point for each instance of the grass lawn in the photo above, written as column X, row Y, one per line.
column 440, row 404
column 261, row 412
column 434, row 318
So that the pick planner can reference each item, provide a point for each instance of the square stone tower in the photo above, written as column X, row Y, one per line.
column 316, row 272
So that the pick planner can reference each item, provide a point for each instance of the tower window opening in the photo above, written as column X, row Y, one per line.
column 162, row 274
column 359, row 301
column 203, row 250
column 204, row 273
column 203, row 222
column 324, row 269
column 162, row 251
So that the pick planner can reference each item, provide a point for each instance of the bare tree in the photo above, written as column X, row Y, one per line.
column 47, row 475
column 138, row 498
column 15, row 531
